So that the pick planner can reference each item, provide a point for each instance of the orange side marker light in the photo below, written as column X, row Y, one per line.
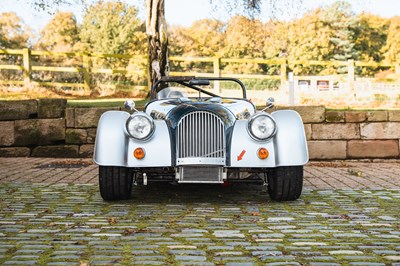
column 139, row 153
column 263, row 153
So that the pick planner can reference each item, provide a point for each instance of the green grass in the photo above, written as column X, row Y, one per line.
column 113, row 102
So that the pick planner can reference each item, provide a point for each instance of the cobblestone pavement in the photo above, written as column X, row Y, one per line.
column 318, row 175
column 52, row 214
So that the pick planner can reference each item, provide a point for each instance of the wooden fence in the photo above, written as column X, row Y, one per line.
column 85, row 68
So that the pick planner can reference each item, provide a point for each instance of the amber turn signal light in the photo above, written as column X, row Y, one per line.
column 139, row 153
column 262, row 153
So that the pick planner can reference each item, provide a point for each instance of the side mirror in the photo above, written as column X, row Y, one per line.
column 270, row 104
column 130, row 105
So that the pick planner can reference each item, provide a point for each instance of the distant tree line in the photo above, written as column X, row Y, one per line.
column 334, row 33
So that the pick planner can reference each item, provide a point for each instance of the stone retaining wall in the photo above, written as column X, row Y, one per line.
column 48, row 128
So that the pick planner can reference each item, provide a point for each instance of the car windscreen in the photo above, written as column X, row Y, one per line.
column 221, row 88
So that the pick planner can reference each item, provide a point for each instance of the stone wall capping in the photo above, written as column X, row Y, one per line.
column 334, row 116
column 394, row 115
column 51, row 108
column 17, row 110
column 377, row 116
column 355, row 116
column 309, row 114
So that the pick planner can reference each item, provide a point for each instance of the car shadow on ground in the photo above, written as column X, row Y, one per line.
column 199, row 193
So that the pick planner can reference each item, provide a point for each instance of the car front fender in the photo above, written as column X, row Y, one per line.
column 287, row 148
column 290, row 140
column 111, row 141
column 113, row 147
column 243, row 150
column 157, row 149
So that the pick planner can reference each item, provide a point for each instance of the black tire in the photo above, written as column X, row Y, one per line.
column 115, row 182
column 285, row 183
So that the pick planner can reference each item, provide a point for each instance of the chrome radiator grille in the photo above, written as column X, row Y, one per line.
column 200, row 139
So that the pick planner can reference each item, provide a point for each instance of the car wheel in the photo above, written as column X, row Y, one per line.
column 115, row 182
column 285, row 183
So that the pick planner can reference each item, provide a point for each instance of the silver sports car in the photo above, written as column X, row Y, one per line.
column 189, row 134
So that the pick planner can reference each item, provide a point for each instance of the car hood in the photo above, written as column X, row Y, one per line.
column 229, row 109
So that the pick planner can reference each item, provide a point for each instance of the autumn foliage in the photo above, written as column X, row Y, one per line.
column 334, row 33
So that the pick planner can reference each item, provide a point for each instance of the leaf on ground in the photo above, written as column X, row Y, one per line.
column 130, row 231
column 112, row 220
column 345, row 216
column 355, row 172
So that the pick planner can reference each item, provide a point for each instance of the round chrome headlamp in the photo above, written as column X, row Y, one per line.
column 261, row 126
column 140, row 126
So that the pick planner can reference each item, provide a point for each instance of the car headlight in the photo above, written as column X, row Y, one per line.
column 261, row 126
column 140, row 126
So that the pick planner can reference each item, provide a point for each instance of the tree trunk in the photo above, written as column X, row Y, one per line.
column 156, row 29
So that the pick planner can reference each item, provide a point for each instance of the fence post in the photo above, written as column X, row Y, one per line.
column 291, row 89
column 283, row 72
column 351, row 75
column 86, row 72
column 26, row 54
column 217, row 73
